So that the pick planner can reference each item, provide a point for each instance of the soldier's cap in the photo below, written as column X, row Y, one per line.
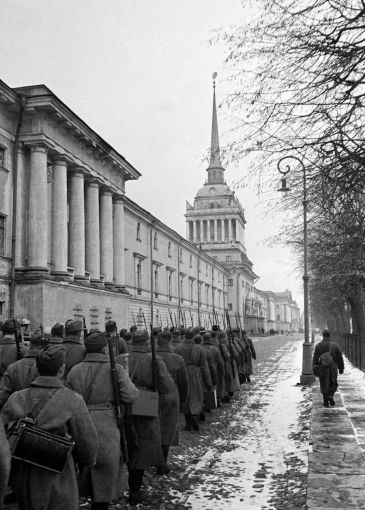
column 140, row 338
column 128, row 337
column 39, row 338
column 110, row 326
column 58, row 330
column 25, row 322
column 164, row 337
column 132, row 329
column 73, row 326
column 97, row 339
column 182, row 330
column 51, row 357
column 9, row 326
column 189, row 333
column 326, row 333
column 197, row 330
column 175, row 333
column 207, row 337
column 122, row 332
column 215, row 327
column 198, row 339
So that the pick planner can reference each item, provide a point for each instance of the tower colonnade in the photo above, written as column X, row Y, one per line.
column 218, row 230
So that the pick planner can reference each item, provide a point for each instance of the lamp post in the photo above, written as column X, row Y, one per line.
column 307, row 376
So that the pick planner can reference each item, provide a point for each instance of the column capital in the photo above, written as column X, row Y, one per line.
column 118, row 198
column 92, row 183
column 104, row 190
column 60, row 160
column 78, row 171
column 39, row 147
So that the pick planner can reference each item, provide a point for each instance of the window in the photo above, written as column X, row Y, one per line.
column 191, row 291
column 138, row 236
column 169, row 250
column 228, row 258
column 139, row 276
column 191, row 261
column 155, row 241
column 169, row 285
column 2, row 235
column 155, row 281
column 2, row 156
column 181, row 289
column 230, row 282
column 180, row 255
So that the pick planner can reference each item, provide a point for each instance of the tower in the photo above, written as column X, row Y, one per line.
column 216, row 222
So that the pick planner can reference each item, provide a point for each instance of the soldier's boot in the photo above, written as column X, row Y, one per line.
column 135, row 482
column 202, row 416
column 99, row 506
column 332, row 401
column 194, row 422
column 248, row 378
column 189, row 425
column 165, row 468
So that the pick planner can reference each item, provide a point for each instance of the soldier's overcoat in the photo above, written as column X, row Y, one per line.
column 146, row 452
column 18, row 376
column 198, row 373
column 75, row 352
column 66, row 411
column 250, row 354
column 8, row 352
column 92, row 379
column 170, row 403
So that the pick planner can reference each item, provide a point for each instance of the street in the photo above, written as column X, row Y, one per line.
column 251, row 453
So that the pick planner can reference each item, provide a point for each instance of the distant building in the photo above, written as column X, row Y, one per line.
column 73, row 245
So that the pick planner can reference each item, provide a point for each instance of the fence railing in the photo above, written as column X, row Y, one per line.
column 353, row 347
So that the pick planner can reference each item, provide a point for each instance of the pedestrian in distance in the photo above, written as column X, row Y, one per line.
column 92, row 380
column 250, row 354
column 62, row 410
column 327, row 362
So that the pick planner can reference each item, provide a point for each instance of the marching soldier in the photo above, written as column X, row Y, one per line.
column 75, row 351
column 216, row 360
column 170, row 403
column 92, row 379
column 63, row 411
column 250, row 354
column 21, row 373
column 8, row 346
column 144, row 432
column 198, row 372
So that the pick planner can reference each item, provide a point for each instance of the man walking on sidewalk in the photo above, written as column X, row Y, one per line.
column 327, row 361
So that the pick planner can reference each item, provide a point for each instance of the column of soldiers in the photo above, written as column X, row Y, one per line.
column 78, row 377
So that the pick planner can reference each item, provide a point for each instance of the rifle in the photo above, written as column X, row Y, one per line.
column 154, row 361
column 191, row 318
column 134, row 322
column 84, row 328
column 144, row 320
column 117, row 402
column 224, row 321
column 184, row 319
column 17, row 340
column 172, row 322
column 210, row 320
column 243, row 338
column 230, row 338
column 177, row 327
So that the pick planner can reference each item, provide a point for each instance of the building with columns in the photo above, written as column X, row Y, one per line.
column 73, row 245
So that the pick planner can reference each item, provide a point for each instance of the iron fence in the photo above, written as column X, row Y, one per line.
column 353, row 347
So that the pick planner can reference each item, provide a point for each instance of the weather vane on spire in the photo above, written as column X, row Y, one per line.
column 214, row 75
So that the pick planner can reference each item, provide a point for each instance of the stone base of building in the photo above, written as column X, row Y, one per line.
column 48, row 302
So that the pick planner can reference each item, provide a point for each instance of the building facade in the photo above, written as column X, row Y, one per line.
column 72, row 244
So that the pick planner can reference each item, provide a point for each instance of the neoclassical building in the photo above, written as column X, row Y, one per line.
column 72, row 244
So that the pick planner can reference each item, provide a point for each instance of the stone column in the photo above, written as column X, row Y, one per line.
column 194, row 232
column 37, row 213
column 106, row 236
column 208, row 231
column 215, row 231
column 20, row 210
column 76, row 244
column 201, row 231
column 92, row 231
column 59, row 217
column 229, row 229
column 118, row 242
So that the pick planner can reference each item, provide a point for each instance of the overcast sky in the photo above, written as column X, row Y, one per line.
column 139, row 73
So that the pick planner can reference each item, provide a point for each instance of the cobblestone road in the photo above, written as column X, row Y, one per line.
column 250, row 454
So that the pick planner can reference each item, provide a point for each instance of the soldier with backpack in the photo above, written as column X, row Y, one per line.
column 327, row 362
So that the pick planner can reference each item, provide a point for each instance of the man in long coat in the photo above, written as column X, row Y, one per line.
column 328, row 375
column 75, row 350
column 8, row 347
column 198, row 372
column 92, row 379
column 21, row 373
column 230, row 367
column 64, row 411
column 170, row 403
column 146, row 451
column 249, row 354
column 216, row 360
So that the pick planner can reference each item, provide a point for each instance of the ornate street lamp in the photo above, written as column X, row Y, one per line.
column 307, row 376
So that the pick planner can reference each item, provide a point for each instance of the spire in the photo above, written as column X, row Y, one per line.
column 215, row 164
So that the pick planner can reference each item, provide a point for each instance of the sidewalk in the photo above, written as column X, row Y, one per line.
column 336, row 471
